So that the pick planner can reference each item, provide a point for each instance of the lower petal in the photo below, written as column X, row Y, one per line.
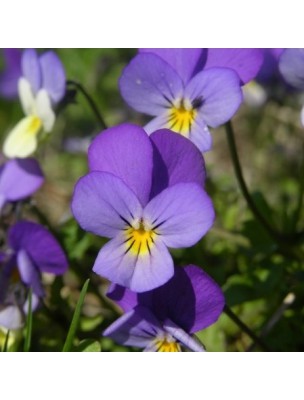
column 157, row 123
column 29, row 274
column 22, row 140
column 200, row 134
column 138, row 272
column 11, row 318
column 182, row 337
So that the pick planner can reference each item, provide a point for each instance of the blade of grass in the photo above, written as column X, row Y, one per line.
column 29, row 324
column 4, row 350
column 74, row 324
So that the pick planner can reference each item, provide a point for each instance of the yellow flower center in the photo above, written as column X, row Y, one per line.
column 167, row 345
column 35, row 125
column 181, row 117
column 139, row 241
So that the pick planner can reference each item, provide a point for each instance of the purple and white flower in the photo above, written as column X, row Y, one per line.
column 41, row 86
column 31, row 251
column 188, row 90
column 19, row 179
column 145, row 194
column 165, row 318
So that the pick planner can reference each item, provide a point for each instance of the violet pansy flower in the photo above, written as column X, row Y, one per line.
column 291, row 66
column 145, row 194
column 188, row 90
column 164, row 319
column 10, row 75
column 41, row 86
column 19, row 179
column 32, row 250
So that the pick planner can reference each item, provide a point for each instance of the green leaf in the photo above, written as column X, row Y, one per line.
column 75, row 321
column 89, row 345
column 29, row 324
column 5, row 347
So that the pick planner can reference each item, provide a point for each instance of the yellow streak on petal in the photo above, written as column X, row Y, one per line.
column 181, row 119
column 22, row 140
column 168, row 346
column 139, row 241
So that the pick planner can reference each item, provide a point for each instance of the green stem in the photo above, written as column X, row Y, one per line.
column 239, row 175
column 245, row 328
column 90, row 101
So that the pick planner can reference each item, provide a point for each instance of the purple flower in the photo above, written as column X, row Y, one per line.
column 32, row 250
column 187, row 90
column 144, row 193
column 164, row 318
column 12, row 72
column 41, row 86
column 291, row 66
column 269, row 71
column 19, row 178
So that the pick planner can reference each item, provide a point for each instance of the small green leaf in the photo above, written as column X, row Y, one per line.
column 29, row 324
column 75, row 321
column 89, row 345
column 5, row 347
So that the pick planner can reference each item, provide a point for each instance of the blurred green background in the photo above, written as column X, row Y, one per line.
column 254, row 274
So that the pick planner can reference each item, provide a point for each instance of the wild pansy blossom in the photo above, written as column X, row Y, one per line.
column 164, row 318
column 11, row 73
column 188, row 90
column 145, row 194
column 32, row 250
column 41, row 86
column 291, row 66
column 19, row 179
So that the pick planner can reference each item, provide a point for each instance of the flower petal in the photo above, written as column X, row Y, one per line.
column 245, row 62
column 200, row 134
column 184, row 61
column 291, row 66
column 11, row 318
column 31, row 68
column 20, row 178
column 126, row 152
column 139, row 272
column 136, row 328
column 53, row 76
column 44, row 110
column 26, row 96
column 9, row 77
column 182, row 337
column 42, row 248
column 29, row 274
column 102, row 203
column 159, row 122
column 149, row 84
column 181, row 214
column 220, row 93
column 22, row 140
column 184, row 164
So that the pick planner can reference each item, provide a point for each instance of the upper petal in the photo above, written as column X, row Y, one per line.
column 181, row 214
column 53, row 76
column 20, row 178
column 31, row 69
column 40, row 245
column 9, row 77
column 291, row 66
column 245, row 62
column 184, row 61
column 149, row 84
column 176, row 160
column 102, row 203
column 126, row 152
column 219, row 92
column 44, row 110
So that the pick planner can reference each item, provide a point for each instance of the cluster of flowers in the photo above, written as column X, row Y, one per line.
column 29, row 249
column 144, row 190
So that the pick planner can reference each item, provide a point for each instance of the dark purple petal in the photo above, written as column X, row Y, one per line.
column 149, row 84
column 29, row 273
column 53, row 76
column 291, row 66
column 126, row 152
column 184, row 164
column 10, row 76
column 11, row 317
column 200, row 134
column 182, row 337
column 220, row 93
column 270, row 68
column 39, row 244
column 20, row 178
column 245, row 62
column 183, row 61
column 31, row 69
column 138, row 327
column 181, row 214
column 103, row 204
column 138, row 272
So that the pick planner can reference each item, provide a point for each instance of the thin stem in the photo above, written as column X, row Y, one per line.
column 90, row 101
column 245, row 328
column 238, row 172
